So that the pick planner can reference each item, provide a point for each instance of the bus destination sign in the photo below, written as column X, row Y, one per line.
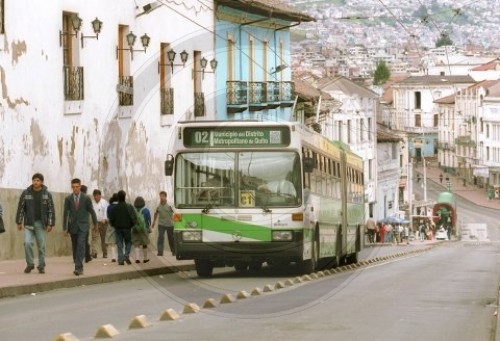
column 237, row 137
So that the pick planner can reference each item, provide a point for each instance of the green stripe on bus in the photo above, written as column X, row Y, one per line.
column 216, row 224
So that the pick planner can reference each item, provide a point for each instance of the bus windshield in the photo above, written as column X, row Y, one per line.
column 238, row 179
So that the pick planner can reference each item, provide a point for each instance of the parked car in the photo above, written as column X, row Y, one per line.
column 441, row 234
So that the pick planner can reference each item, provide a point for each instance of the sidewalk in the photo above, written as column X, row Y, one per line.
column 469, row 192
column 59, row 273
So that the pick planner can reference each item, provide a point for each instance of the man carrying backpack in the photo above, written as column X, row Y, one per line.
column 122, row 217
column 141, row 230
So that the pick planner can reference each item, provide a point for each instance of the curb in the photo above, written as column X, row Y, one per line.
column 90, row 280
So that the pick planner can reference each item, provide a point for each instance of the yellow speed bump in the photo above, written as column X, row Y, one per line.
column 289, row 283
column 306, row 278
column 169, row 315
column 314, row 275
column 279, row 285
column 256, row 292
column 320, row 274
column 297, row 280
column 268, row 288
column 210, row 303
column 139, row 322
column 242, row 295
column 66, row 337
column 191, row 308
column 227, row 298
column 106, row 331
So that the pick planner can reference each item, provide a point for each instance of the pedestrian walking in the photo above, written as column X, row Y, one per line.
column 141, row 231
column 88, row 256
column 388, row 233
column 36, row 212
column 370, row 227
column 77, row 207
column 110, row 231
column 123, row 217
column 440, row 177
column 99, row 236
column 421, row 231
column 163, row 214
column 2, row 227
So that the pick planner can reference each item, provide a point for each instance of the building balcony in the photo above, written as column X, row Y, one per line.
column 446, row 146
column 421, row 130
column 199, row 104
column 125, row 90
column 273, row 95
column 243, row 95
column 258, row 95
column 236, row 96
column 287, row 93
column 167, row 101
column 73, row 83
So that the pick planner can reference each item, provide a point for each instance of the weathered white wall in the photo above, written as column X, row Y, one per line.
column 107, row 147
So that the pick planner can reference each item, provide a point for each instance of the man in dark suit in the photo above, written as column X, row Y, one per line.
column 77, row 207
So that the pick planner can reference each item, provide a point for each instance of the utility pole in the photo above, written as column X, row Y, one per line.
column 409, row 180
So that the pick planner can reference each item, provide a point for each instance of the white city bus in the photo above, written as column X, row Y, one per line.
column 248, row 193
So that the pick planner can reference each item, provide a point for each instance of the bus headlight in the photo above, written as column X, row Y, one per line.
column 191, row 236
column 282, row 236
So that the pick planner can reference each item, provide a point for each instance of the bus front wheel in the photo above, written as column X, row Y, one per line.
column 309, row 265
column 204, row 267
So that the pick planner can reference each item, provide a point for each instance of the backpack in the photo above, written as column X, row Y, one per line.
column 140, row 226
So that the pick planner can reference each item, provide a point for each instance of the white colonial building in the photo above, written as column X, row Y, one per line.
column 352, row 120
column 89, row 91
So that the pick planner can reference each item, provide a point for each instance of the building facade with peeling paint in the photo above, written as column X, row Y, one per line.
column 92, row 90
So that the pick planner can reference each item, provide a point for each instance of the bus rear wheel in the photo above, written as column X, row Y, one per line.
column 204, row 267
column 241, row 266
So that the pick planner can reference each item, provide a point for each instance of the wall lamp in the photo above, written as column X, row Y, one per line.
column 131, row 37
column 76, row 23
column 203, row 64
column 96, row 26
column 171, row 57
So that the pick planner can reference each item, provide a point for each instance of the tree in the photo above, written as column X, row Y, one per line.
column 382, row 73
column 444, row 40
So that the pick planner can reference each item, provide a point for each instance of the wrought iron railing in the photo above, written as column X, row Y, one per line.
column 236, row 92
column 287, row 91
column 273, row 91
column 126, row 90
column 199, row 104
column 258, row 92
column 167, row 101
column 73, row 83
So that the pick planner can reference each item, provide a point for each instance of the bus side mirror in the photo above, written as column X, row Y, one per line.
column 169, row 165
column 308, row 164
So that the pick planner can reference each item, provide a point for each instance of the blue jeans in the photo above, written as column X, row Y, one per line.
column 161, row 238
column 123, row 236
column 36, row 232
column 78, row 243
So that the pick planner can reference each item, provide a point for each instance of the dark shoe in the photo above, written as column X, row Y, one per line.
column 137, row 261
column 28, row 269
column 41, row 270
column 94, row 255
column 127, row 260
column 78, row 272
column 121, row 263
column 104, row 256
column 88, row 259
column 146, row 260
column 160, row 254
column 113, row 260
